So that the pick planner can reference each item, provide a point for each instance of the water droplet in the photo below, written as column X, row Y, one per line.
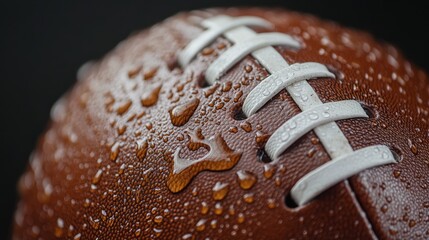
column 188, row 236
column 426, row 204
column 124, row 106
column 218, row 208
column 207, row 51
column 231, row 210
column 35, row 231
column 393, row 230
column 226, row 86
column 148, row 126
column 59, row 228
column 149, row 74
column 77, row 236
column 326, row 114
column 249, row 197
column 121, row 129
column 396, row 173
column 83, row 99
column 314, row 140
column 413, row 147
column 86, row 203
column 237, row 96
column 93, row 187
column 311, row 152
column 246, row 179
column 271, row 203
column 248, row 68
column 121, row 169
column 157, row 231
column 97, row 176
column 95, row 223
column 278, row 181
column 156, row 190
column 181, row 113
column 133, row 72
column 384, row 208
column 138, row 232
column 70, row 231
column 150, row 96
column 194, row 192
column 103, row 215
column 201, row 225
column 220, row 190
column 221, row 46
column 313, row 116
column 204, row 208
column 219, row 158
column 240, row 218
column 47, row 190
column 114, row 151
column 142, row 146
column 266, row 92
column 233, row 129
column 261, row 137
column 246, row 126
column 219, row 105
column 269, row 170
column 385, row 155
column 285, row 136
column 209, row 91
column 158, row 219
column 213, row 224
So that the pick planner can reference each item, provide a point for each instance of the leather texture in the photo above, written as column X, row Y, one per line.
column 104, row 169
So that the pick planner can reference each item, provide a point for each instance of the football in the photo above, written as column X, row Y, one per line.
column 237, row 123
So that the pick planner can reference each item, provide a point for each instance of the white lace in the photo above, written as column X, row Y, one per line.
column 316, row 115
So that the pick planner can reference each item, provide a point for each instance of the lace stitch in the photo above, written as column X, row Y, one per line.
column 316, row 115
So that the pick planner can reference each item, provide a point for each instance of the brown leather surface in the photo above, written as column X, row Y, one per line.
column 104, row 168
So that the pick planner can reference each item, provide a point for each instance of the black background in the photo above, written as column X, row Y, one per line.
column 43, row 43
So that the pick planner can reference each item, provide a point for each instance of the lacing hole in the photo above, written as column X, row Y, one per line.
column 338, row 74
column 202, row 82
column 290, row 203
column 172, row 63
column 370, row 111
column 238, row 114
column 397, row 154
column 263, row 156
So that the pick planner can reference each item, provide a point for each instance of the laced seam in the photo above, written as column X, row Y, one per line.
column 209, row 36
column 302, row 123
column 315, row 115
column 240, row 50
